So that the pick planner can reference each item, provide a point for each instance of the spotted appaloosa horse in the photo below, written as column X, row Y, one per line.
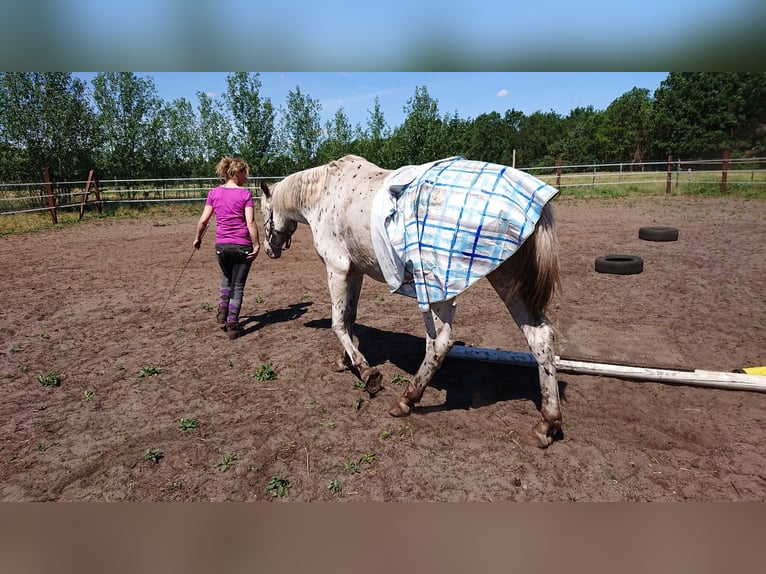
column 335, row 200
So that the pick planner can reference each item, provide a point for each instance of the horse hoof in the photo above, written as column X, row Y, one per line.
column 341, row 365
column 400, row 408
column 533, row 439
column 541, row 435
column 373, row 381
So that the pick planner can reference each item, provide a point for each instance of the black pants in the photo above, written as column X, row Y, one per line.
column 232, row 259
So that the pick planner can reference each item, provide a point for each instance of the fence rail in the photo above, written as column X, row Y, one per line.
column 674, row 175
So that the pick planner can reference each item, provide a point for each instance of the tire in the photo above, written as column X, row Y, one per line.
column 658, row 233
column 619, row 264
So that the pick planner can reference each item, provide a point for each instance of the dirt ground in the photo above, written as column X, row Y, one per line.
column 83, row 302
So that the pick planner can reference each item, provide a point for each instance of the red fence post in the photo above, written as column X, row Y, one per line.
column 51, row 203
column 724, row 170
column 670, row 174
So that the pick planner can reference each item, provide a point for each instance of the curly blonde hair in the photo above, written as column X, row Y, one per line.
column 228, row 167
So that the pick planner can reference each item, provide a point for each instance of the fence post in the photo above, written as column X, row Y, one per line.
column 92, row 180
column 51, row 203
column 558, row 174
column 724, row 170
column 670, row 174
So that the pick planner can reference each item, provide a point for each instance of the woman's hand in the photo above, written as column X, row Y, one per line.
column 254, row 253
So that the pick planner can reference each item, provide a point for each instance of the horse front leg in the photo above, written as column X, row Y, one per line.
column 345, row 289
column 439, row 341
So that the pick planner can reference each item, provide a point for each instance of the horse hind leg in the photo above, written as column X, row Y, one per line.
column 539, row 335
column 439, row 341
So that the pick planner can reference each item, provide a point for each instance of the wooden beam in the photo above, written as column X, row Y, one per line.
column 715, row 379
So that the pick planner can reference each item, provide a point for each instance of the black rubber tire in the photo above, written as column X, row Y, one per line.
column 619, row 264
column 658, row 233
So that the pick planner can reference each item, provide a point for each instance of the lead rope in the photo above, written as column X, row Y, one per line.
column 194, row 250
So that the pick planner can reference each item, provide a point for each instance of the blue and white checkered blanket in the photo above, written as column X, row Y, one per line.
column 453, row 223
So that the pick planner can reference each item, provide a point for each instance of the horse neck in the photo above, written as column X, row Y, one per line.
column 299, row 196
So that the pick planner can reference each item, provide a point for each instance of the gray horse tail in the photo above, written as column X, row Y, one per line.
column 536, row 268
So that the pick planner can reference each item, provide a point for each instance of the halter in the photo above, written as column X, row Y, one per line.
column 272, row 234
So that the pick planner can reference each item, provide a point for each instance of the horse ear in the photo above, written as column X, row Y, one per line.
column 265, row 188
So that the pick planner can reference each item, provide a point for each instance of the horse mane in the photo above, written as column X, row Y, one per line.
column 305, row 188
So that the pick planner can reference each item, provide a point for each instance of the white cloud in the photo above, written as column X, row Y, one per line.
column 503, row 93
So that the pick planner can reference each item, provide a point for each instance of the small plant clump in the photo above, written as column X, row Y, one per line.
column 188, row 424
column 278, row 487
column 153, row 454
column 149, row 371
column 49, row 380
column 265, row 372
column 226, row 462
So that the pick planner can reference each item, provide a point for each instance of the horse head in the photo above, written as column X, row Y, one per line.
column 279, row 230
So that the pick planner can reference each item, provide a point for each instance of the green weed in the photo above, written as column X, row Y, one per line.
column 264, row 373
column 153, row 454
column 226, row 462
column 149, row 371
column 187, row 424
column 49, row 380
column 278, row 487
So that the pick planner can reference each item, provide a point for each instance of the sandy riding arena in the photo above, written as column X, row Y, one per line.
column 107, row 399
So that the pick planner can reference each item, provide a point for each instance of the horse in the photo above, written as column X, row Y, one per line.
column 336, row 201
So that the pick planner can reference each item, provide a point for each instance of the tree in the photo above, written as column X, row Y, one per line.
column 538, row 136
column 253, row 125
column 699, row 114
column 339, row 138
column 127, row 109
column 215, row 132
column 301, row 129
column 580, row 143
column 489, row 139
column 45, row 121
column 624, row 131
column 418, row 139
column 182, row 146
column 373, row 142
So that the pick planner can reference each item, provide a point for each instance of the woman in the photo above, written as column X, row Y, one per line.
column 236, row 237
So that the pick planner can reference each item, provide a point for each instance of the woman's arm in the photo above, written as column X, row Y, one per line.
column 204, row 219
column 253, row 229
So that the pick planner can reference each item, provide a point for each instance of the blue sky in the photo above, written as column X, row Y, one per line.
column 466, row 93
column 478, row 35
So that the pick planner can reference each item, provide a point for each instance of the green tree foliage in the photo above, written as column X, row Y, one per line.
column 182, row 149
column 124, row 130
column 624, row 132
column 580, row 143
column 254, row 118
column 45, row 122
column 339, row 138
column 418, row 139
column 538, row 135
column 301, row 129
column 215, row 131
column 373, row 142
column 127, row 107
column 698, row 114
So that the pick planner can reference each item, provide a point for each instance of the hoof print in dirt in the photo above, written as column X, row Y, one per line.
column 619, row 264
column 658, row 233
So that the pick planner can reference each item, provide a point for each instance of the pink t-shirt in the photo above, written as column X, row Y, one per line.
column 229, row 207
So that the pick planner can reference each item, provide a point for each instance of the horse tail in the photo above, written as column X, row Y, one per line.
column 537, row 270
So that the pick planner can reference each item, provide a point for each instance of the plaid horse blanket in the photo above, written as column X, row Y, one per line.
column 440, row 227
